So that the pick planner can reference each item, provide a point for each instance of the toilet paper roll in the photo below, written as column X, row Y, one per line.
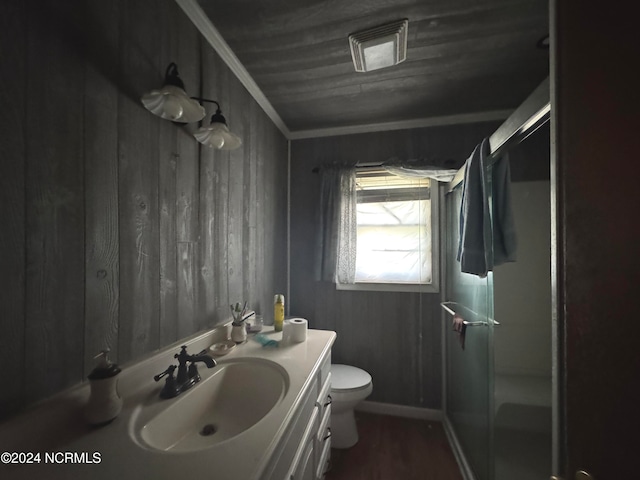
column 295, row 330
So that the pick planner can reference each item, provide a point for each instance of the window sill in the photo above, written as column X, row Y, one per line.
column 389, row 287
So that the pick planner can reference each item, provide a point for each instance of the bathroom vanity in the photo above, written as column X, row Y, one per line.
column 261, row 413
column 304, row 449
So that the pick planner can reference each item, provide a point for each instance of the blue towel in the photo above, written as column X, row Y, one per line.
column 504, row 229
column 265, row 341
column 474, row 247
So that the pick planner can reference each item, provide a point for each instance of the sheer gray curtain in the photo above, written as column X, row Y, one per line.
column 337, row 226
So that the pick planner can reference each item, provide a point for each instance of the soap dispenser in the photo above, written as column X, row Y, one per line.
column 104, row 402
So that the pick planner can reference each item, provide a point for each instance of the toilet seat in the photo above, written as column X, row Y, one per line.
column 345, row 378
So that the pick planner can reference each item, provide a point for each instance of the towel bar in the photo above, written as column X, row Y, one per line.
column 475, row 324
column 478, row 323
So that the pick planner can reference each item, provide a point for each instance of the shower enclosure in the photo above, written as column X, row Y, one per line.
column 498, row 387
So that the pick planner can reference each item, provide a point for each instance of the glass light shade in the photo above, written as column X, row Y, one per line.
column 172, row 103
column 172, row 108
column 217, row 135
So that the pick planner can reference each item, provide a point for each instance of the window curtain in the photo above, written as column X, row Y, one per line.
column 337, row 226
column 422, row 171
column 437, row 169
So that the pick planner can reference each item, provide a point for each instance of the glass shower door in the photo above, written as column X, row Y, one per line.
column 469, row 361
column 498, row 387
column 521, row 425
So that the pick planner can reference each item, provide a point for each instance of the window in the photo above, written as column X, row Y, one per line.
column 396, row 220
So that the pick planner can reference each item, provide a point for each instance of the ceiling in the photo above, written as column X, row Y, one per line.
column 465, row 58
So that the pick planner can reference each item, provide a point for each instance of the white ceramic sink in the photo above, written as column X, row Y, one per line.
column 236, row 397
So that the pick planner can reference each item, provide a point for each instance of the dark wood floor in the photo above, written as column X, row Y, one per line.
column 393, row 448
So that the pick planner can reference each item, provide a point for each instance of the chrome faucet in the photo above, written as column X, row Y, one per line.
column 187, row 376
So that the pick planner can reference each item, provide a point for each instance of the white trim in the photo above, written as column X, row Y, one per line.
column 458, row 452
column 403, row 411
column 436, row 223
column 403, row 124
column 199, row 18
column 431, row 287
column 442, row 215
column 559, row 431
column 288, row 304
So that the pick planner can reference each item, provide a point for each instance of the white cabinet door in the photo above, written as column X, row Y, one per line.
column 306, row 467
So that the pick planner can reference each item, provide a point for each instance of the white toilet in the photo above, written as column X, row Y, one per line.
column 349, row 386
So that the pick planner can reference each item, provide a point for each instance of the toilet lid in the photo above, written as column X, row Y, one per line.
column 346, row 377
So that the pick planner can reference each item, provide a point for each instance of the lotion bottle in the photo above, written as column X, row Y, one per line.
column 105, row 402
column 278, row 312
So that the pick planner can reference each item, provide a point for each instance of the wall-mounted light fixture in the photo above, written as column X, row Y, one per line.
column 217, row 134
column 171, row 102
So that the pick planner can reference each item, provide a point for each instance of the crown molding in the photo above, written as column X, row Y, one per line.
column 457, row 119
column 199, row 18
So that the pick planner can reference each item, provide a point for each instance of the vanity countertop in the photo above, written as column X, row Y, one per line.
column 66, row 447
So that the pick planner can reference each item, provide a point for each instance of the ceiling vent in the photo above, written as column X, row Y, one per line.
column 379, row 47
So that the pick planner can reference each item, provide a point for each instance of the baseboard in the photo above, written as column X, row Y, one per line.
column 465, row 468
column 404, row 411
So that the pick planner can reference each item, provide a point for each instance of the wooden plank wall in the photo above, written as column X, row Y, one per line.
column 12, row 193
column 118, row 229
column 394, row 336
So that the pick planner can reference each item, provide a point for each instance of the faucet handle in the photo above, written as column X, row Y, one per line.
column 171, row 388
column 183, row 356
column 168, row 371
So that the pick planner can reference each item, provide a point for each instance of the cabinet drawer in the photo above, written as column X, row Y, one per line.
column 324, row 397
column 303, row 458
column 323, row 442
column 288, row 446
column 324, row 432
column 324, row 459
column 324, row 372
